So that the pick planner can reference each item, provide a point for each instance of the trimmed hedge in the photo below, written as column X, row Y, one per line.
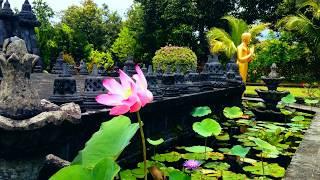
column 173, row 57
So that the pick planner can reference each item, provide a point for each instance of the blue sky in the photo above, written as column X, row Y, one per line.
column 116, row 5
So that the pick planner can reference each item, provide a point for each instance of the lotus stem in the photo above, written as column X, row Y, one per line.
column 144, row 149
column 205, row 148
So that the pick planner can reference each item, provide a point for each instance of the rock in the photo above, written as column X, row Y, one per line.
column 68, row 112
column 49, row 106
column 52, row 165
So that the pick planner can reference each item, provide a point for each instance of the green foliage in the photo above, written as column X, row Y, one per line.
column 98, row 26
column 68, row 59
column 103, row 59
column 219, row 166
column 311, row 101
column 198, row 149
column 155, row 142
column 201, row 111
column 239, row 151
column 287, row 53
column 222, row 42
column 174, row 57
column 272, row 169
column 95, row 161
column 298, row 118
column 169, row 157
column 232, row 112
column 124, row 45
column 265, row 146
column 207, row 127
column 178, row 175
column 289, row 99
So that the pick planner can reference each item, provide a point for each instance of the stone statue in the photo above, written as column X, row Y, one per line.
column 18, row 99
column 244, row 55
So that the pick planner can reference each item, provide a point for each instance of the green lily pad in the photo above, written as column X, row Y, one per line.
column 289, row 99
column 169, row 157
column 201, row 111
column 232, row 112
column 298, row 118
column 178, row 175
column 286, row 112
column 155, row 142
column 223, row 137
column 202, row 156
column 127, row 175
column 272, row 169
column 198, row 149
column 239, row 151
column 138, row 173
column 311, row 101
column 233, row 176
column 207, row 127
column 245, row 122
column 219, row 166
column 265, row 146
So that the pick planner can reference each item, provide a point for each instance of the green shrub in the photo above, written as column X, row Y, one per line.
column 101, row 59
column 68, row 59
column 174, row 57
column 292, row 58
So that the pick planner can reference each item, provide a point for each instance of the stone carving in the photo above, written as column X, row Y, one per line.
column 57, row 68
column 83, row 68
column 21, row 25
column 18, row 98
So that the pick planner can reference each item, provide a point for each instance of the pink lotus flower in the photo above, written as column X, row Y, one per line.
column 129, row 96
column 142, row 87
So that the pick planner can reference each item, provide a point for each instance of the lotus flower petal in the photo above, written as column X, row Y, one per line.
column 125, row 80
column 112, row 86
column 109, row 99
column 119, row 110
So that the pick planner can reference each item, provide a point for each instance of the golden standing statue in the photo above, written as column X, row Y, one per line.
column 244, row 55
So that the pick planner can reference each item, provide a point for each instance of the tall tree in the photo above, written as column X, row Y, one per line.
column 45, row 32
column 98, row 25
column 264, row 10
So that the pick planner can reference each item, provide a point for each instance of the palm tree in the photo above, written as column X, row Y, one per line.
column 221, row 41
column 306, row 22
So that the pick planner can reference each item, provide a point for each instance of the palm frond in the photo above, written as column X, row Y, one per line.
column 220, row 41
column 303, row 25
column 256, row 29
column 314, row 4
column 237, row 27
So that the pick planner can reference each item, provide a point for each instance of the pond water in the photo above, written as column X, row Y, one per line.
column 244, row 149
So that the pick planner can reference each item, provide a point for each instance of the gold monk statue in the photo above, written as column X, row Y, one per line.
column 244, row 55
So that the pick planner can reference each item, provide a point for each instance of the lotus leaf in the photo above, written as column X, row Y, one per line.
column 149, row 164
column 223, row 137
column 95, row 149
column 178, row 175
column 127, row 175
column 207, row 127
column 105, row 169
column 246, row 122
column 265, row 146
column 210, row 173
column 198, row 149
column 225, row 150
column 232, row 112
column 202, row 156
column 233, row 176
column 219, row 166
column 139, row 172
column 198, row 175
column 239, row 151
column 73, row 172
column 311, row 101
column 169, row 157
column 272, row 169
column 155, row 142
column 289, row 99
column 201, row 111
column 286, row 112
column 298, row 118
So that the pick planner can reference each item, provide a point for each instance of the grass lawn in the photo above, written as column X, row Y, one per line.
column 297, row 92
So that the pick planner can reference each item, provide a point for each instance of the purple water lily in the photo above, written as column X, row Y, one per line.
column 191, row 164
